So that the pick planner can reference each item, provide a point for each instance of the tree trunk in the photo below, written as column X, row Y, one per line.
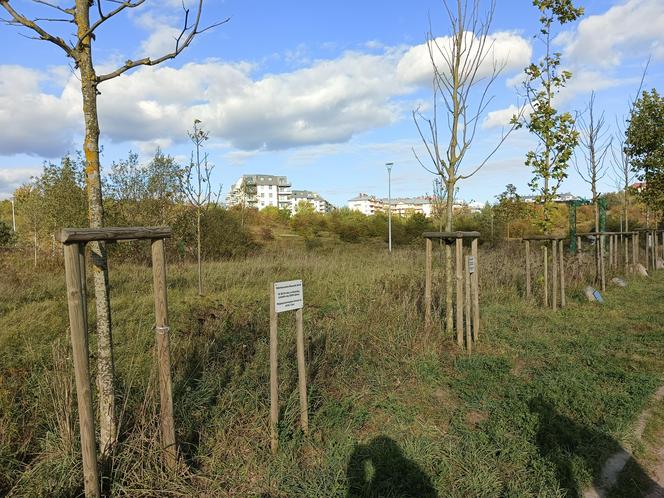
column 449, row 322
column 625, row 208
column 198, row 240
column 105, row 369
column 597, row 238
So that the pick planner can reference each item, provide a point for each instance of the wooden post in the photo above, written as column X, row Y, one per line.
column 645, row 242
column 528, row 288
column 578, row 244
column 626, row 255
column 563, row 298
column 74, row 255
column 274, row 383
column 546, row 275
column 302, row 372
column 163, row 354
column 459, row 291
column 653, row 249
column 610, row 251
column 475, row 282
column 638, row 248
column 554, row 272
column 469, row 340
column 427, row 285
column 635, row 249
column 601, row 262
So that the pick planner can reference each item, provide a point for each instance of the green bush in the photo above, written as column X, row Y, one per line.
column 223, row 235
column 7, row 236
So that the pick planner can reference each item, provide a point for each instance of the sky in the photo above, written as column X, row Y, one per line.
column 322, row 92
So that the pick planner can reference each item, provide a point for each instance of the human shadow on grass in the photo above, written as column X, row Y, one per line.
column 379, row 469
column 567, row 444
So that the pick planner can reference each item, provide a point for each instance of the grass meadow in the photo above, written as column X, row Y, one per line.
column 395, row 410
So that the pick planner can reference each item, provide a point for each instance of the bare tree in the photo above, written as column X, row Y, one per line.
column 595, row 141
column 622, row 168
column 86, row 21
column 464, row 70
column 197, row 186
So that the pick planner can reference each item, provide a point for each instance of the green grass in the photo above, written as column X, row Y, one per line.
column 534, row 411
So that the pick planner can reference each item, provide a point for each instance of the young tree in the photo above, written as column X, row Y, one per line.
column 62, row 190
column 555, row 131
column 31, row 204
column 622, row 170
column 145, row 193
column 595, row 141
column 644, row 145
column 197, row 186
column 464, row 70
column 511, row 207
column 86, row 16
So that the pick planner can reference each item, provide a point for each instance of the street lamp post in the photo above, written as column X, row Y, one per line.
column 389, row 206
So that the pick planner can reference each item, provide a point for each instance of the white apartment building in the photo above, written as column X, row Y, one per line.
column 406, row 206
column 319, row 204
column 367, row 204
column 259, row 191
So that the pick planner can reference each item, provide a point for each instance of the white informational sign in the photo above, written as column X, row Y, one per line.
column 288, row 296
column 471, row 264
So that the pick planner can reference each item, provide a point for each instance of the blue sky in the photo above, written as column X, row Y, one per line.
column 319, row 91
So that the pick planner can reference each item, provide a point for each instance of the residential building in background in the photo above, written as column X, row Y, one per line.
column 560, row 198
column 403, row 206
column 319, row 204
column 367, row 204
column 260, row 191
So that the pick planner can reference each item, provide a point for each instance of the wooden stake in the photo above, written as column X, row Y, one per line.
column 645, row 241
column 554, row 274
column 635, row 248
column 302, row 372
column 274, row 383
column 601, row 262
column 528, row 287
column 427, row 285
column 578, row 244
column 546, row 275
column 563, row 298
column 610, row 251
column 469, row 339
column 459, row 291
column 163, row 354
column 74, row 255
column 475, row 282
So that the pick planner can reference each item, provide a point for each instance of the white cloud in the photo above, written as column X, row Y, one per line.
column 508, row 49
column 631, row 29
column 31, row 121
column 11, row 178
column 501, row 117
column 328, row 101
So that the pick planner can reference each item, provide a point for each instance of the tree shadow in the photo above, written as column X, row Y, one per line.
column 570, row 446
column 379, row 469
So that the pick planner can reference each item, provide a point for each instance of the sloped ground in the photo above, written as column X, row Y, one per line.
column 537, row 409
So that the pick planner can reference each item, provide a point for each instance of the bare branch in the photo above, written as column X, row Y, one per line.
column 184, row 39
column 19, row 19
column 105, row 17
